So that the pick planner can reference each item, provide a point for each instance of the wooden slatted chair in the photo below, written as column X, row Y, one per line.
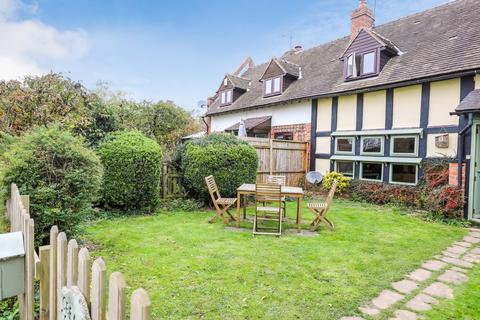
column 281, row 180
column 268, row 208
column 222, row 205
column 320, row 210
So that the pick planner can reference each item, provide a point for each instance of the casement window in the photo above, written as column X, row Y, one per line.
column 273, row 86
column 368, row 65
column 361, row 64
column 284, row 135
column 371, row 171
column 404, row 174
column 345, row 145
column 347, row 168
column 226, row 97
column 372, row 145
column 404, row 146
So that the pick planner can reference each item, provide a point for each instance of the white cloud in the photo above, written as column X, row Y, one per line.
column 27, row 45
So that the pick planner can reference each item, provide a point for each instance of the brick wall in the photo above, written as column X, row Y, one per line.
column 453, row 174
column 301, row 132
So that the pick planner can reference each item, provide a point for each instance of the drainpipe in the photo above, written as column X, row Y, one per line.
column 460, row 148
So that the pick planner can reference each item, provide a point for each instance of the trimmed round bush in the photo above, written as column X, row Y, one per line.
column 232, row 162
column 59, row 173
column 132, row 169
column 342, row 181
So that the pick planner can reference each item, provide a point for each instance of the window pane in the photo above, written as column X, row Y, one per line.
column 372, row 145
column 369, row 63
column 345, row 168
column 372, row 171
column 404, row 145
column 284, row 135
column 276, row 85
column 356, row 67
column 350, row 66
column 223, row 98
column 229, row 96
column 345, row 144
column 268, row 86
column 404, row 173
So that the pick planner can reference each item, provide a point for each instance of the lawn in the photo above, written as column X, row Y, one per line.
column 193, row 269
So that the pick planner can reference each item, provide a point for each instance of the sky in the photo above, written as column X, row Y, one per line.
column 175, row 50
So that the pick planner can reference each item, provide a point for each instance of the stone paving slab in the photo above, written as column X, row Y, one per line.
column 369, row 311
column 450, row 254
column 475, row 234
column 405, row 286
column 463, row 244
column 421, row 302
column 420, row 275
column 434, row 265
column 475, row 251
column 471, row 239
column 457, row 249
column 386, row 299
column 459, row 269
column 405, row 315
column 439, row 290
column 453, row 277
column 472, row 258
column 457, row 262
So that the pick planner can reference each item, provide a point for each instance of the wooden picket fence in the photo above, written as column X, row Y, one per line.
column 281, row 157
column 63, row 264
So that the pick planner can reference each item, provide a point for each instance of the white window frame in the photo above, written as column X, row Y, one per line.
column 382, row 146
column 351, row 62
column 373, row 180
column 345, row 152
column 353, row 171
column 414, row 154
column 276, row 81
column 374, row 53
column 229, row 96
column 223, row 97
column 390, row 179
column 268, row 87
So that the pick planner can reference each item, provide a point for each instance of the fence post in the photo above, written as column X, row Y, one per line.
column 61, row 269
column 140, row 307
column 98, row 289
column 84, row 273
column 53, row 273
column 116, row 297
column 164, row 180
column 44, row 253
column 30, row 267
column 72, row 263
column 271, row 156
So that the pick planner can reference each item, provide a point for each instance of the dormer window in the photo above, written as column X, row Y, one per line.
column 361, row 64
column 273, row 86
column 226, row 97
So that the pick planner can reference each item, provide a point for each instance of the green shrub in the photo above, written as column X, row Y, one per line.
column 232, row 162
column 59, row 173
column 132, row 170
column 342, row 181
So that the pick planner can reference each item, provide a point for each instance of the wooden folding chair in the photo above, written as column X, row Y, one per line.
column 268, row 208
column 320, row 210
column 222, row 205
column 281, row 180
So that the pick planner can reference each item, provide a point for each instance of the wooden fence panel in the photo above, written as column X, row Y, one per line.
column 61, row 264
column 281, row 157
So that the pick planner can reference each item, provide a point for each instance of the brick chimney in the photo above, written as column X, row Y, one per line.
column 362, row 17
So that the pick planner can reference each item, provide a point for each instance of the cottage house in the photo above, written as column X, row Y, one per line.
column 375, row 103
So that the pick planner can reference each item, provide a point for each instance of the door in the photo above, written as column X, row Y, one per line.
column 476, row 175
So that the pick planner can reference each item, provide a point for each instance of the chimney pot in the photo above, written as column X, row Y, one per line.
column 362, row 18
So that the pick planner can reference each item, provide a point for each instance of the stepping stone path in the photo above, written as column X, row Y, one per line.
column 456, row 259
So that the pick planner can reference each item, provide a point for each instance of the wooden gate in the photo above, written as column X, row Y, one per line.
column 171, row 182
column 62, row 266
column 281, row 157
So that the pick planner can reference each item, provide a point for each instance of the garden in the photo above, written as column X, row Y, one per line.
column 91, row 162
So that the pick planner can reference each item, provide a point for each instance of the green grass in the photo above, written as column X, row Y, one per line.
column 465, row 305
column 193, row 269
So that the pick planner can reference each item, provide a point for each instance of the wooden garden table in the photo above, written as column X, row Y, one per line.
column 247, row 189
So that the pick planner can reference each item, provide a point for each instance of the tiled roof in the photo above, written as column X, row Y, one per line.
column 470, row 103
column 439, row 41
column 250, row 123
column 238, row 82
